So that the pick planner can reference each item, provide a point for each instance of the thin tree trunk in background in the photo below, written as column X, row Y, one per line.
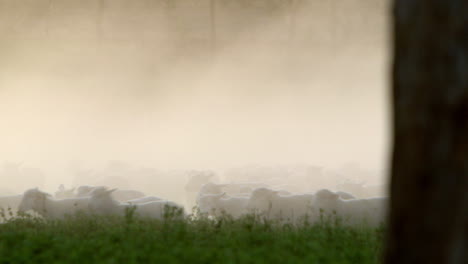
column 213, row 27
column 429, row 185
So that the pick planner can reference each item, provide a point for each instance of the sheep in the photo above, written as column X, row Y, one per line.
column 208, row 189
column 196, row 179
column 289, row 188
column 102, row 203
column 50, row 208
column 235, row 189
column 125, row 195
column 271, row 205
column 289, row 207
column 371, row 211
column 218, row 204
column 144, row 200
column 242, row 188
column 119, row 195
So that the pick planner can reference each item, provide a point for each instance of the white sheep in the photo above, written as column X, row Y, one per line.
column 233, row 189
column 242, row 188
column 48, row 207
column 125, row 195
column 289, row 188
column 102, row 203
column 271, row 205
column 219, row 204
column 209, row 189
column 370, row 211
column 119, row 195
column 144, row 200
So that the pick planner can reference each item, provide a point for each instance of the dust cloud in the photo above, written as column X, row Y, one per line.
column 156, row 84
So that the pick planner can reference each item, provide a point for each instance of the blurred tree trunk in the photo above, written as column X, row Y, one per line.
column 429, row 185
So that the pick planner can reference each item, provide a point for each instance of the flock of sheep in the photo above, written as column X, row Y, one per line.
column 276, row 204
column 97, row 200
column 353, row 203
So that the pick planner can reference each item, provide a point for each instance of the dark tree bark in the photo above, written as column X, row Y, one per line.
column 429, row 186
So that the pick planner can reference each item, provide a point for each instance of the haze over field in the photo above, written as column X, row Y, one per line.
column 85, row 82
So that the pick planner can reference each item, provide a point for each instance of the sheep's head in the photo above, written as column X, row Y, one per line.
column 33, row 199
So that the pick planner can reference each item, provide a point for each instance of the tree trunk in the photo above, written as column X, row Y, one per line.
column 429, row 186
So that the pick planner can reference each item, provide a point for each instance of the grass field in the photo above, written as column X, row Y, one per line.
column 129, row 240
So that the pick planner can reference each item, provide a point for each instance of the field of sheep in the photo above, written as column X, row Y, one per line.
column 257, row 220
column 132, row 240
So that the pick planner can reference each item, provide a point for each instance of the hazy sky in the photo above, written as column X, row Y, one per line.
column 137, row 81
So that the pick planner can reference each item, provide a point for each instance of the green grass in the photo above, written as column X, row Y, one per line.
column 129, row 240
